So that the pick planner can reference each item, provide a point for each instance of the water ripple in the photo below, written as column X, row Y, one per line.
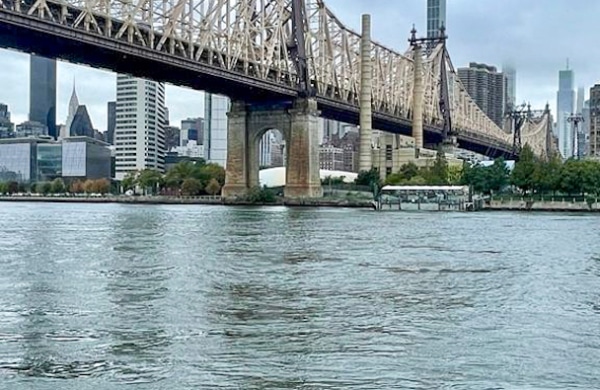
column 186, row 297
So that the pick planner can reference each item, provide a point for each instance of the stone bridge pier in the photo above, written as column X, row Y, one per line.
column 247, row 123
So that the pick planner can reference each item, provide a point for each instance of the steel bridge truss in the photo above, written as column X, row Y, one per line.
column 260, row 39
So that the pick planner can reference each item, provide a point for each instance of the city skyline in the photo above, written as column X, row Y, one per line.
column 526, row 39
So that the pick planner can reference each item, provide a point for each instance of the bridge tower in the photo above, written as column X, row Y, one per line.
column 365, row 152
column 520, row 115
column 449, row 139
column 548, row 147
column 576, row 119
column 297, row 121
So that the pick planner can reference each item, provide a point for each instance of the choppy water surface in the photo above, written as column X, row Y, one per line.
column 185, row 297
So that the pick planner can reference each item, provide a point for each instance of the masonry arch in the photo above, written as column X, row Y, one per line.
column 267, row 149
column 298, row 126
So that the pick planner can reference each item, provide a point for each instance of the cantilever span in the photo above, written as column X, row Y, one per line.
column 240, row 48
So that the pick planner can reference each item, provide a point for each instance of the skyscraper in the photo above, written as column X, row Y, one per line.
column 215, row 128
column 42, row 93
column 565, row 106
column 73, row 106
column 436, row 17
column 487, row 88
column 111, row 122
column 510, row 73
column 6, row 126
column 140, row 125
column 582, row 128
column 192, row 129
column 594, row 122
column 580, row 100
column 82, row 124
column 264, row 150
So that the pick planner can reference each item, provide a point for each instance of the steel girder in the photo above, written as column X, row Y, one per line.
column 253, row 37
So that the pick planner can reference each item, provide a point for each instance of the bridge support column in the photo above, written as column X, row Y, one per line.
column 418, row 99
column 236, row 177
column 365, row 150
column 302, row 174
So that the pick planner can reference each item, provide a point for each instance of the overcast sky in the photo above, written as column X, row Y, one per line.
column 537, row 36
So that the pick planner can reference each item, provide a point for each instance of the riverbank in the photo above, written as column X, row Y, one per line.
column 203, row 200
column 549, row 206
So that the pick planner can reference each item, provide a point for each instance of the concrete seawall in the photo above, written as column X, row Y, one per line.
column 553, row 206
column 191, row 200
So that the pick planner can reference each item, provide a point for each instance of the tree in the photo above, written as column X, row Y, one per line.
column 43, row 187
column 485, row 179
column 474, row 175
column 149, row 180
column 129, row 181
column 211, row 171
column 101, row 186
column 546, row 176
column 191, row 187
column 590, row 171
column 13, row 187
column 394, row 179
column 260, row 195
column 3, row 187
column 213, row 187
column 76, row 187
column 333, row 180
column 89, row 186
column 58, row 186
column 454, row 174
column 523, row 175
column 408, row 171
column 497, row 175
column 181, row 171
column 198, row 170
column 438, row 174
column 367, row 178
column 416, row 181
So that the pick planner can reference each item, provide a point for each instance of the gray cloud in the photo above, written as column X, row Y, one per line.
column 536, row 36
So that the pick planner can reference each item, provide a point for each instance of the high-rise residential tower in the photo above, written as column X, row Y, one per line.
column 215, row 128
column 42, row 93
column 565, row 106
column 582, row 128
column 140, row 125
column 436, row 17
column 487, row 87
column 594, row 122
column 510, row 73
column 111, row 122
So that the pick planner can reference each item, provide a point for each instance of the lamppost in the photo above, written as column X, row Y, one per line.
column 575, row 120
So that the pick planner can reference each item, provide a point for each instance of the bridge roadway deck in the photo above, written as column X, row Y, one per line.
column 46, row 38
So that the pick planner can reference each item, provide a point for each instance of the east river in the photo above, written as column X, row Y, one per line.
column 208, row 297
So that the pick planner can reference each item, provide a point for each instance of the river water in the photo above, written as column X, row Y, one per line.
column 208, row 297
